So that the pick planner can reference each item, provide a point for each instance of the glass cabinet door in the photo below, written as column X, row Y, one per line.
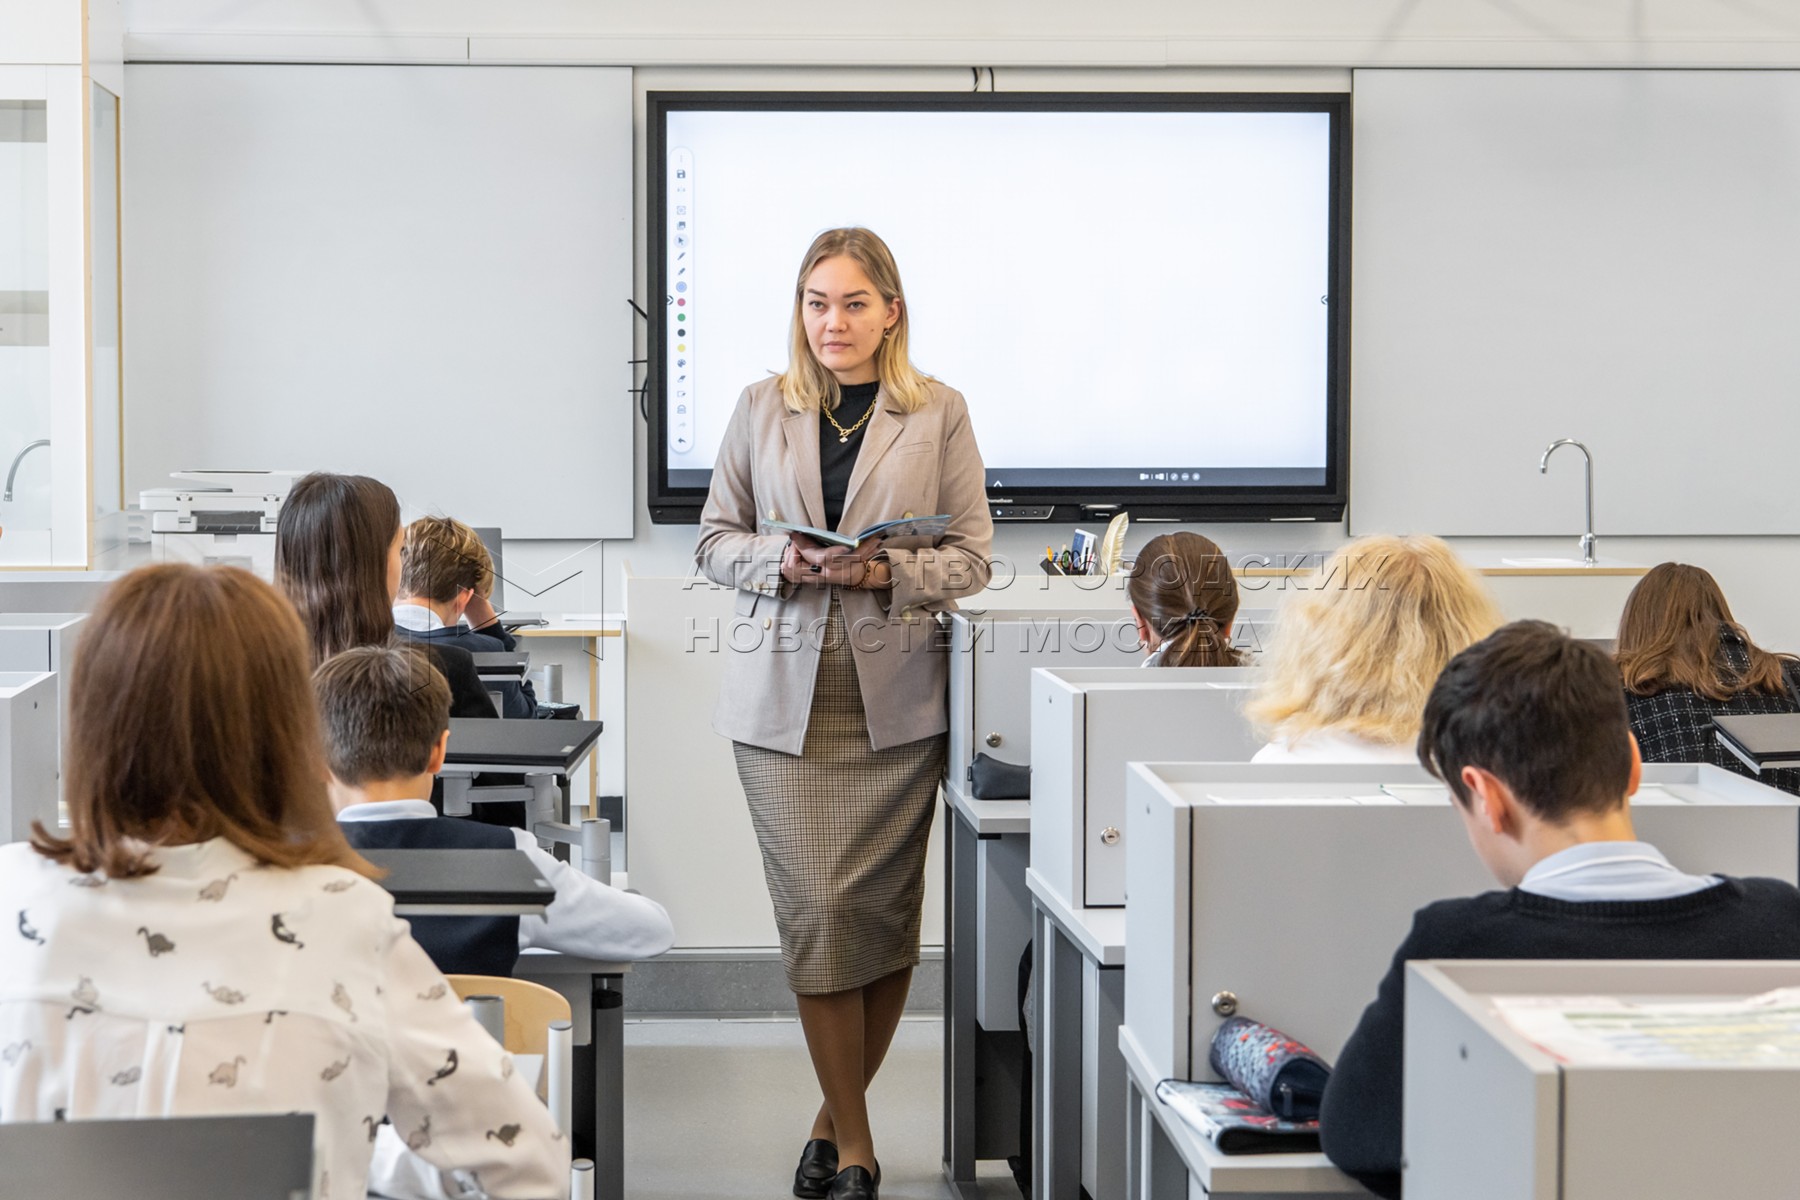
column 25, row 355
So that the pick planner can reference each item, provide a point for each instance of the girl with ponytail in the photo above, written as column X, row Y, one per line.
column 1184, row 598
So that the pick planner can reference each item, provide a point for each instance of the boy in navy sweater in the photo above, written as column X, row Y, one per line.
column 386, row 715
column 1529, row 730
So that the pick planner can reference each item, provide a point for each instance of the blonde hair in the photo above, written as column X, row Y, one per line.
column 1359, row 650
column 439, row 557
column 806, row 385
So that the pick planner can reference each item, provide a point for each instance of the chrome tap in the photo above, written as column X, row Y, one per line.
column 1587, row 539
column 19, row 458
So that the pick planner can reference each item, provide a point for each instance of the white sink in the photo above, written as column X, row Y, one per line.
column 1563, row 564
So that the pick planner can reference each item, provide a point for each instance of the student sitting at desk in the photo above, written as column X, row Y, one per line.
column 1685, row 661
column 1354, row 655
column 446, row 576
column 337, row 556
column 203, row 941
column 1529, row 731
column 1183, row 598
column 387, row 727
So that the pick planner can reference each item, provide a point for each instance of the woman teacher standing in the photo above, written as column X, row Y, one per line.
column 837, row 715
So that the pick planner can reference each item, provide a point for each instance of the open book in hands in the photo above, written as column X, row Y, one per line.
column 930, row 527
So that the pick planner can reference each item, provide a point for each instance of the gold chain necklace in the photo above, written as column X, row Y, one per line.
column 844, row 434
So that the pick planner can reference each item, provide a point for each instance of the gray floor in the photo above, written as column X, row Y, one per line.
column 720, row 1109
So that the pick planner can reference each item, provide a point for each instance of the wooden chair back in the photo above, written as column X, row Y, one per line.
column 530, row 1008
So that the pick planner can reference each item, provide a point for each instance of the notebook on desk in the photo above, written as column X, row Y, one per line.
column 1762, row 741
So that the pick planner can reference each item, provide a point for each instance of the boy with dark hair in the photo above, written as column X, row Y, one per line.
column 386, row 718
column 1529, row 730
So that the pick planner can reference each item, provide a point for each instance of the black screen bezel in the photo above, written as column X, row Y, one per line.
column 1325, row 502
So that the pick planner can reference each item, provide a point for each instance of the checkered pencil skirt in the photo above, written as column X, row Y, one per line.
column 842, row 829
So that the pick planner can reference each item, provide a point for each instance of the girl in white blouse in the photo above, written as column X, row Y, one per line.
column 203, row 941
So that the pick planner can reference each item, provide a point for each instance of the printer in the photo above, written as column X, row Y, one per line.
column 222, row 518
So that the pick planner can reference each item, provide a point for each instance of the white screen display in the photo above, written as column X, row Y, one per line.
column 1123, row 297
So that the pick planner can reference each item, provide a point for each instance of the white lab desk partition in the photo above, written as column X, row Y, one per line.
column 1086, row 724
column 28, row 767
column 1491, row 1116
column 39, row 641
column 987, row 911
column 1280, row 892
column 44, row 641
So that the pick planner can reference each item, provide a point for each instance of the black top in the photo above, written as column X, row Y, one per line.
column 1737, row 919
column 553, row 745
column 517, row 699
column 456, row 945
column 838, row 458
column 1676, row 726
column 468, row 695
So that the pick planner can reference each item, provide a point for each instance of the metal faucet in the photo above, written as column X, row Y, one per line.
column 19, row 458
column 1587, row 539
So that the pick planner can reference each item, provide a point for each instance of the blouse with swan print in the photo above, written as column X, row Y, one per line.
column 219, row 985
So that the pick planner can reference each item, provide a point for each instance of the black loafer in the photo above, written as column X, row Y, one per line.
column 818, row 1167
column 855, row 1183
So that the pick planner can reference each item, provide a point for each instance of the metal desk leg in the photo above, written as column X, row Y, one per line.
column 1165, row 1175
column 959, row 1003
column 1135, row 1151
column 456, row 795
column 1103, row 1081
column 609, row 1091
column 1056, row 1067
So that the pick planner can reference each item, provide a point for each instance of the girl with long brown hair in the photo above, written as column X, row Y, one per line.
column 202, row 940
column 337, row 558
column 1685, row 660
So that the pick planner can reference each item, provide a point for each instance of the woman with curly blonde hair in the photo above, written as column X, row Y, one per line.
column 1353, row 657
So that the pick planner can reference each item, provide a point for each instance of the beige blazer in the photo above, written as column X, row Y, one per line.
column 921, row 463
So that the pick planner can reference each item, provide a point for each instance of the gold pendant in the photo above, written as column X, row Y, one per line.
column 845, row 438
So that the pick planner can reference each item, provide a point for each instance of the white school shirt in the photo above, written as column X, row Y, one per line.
column 219, row 986
column 416, row 618
column 1611, row 871
column 1329, row 746
column 588, row 919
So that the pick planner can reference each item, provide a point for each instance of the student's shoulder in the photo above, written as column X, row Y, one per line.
column 1776, row 897
column 1449, row 928
column 24, row 871
column 335, row 899
column 477, row 642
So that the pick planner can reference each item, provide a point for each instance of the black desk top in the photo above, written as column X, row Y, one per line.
column 511, row 664
column 1763, row 739
column 552, row 744
column 166, row 1158
column 489, row 880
